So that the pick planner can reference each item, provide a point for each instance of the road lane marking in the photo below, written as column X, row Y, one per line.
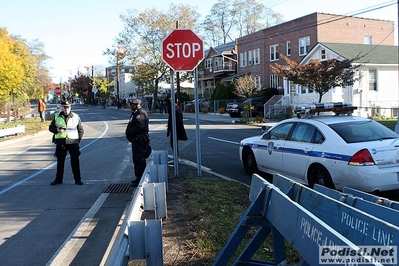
column 223, row 140
column 51, row 165
column 76, row 235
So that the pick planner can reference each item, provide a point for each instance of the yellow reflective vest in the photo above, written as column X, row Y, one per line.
column 70, row 129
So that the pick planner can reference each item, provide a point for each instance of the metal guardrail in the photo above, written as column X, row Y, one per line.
column 12, row 131
column 137, row 239
column 311, row 220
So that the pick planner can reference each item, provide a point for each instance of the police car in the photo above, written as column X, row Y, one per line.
column 336, row 150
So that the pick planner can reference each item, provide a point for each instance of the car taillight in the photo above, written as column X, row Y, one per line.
column 362, row 157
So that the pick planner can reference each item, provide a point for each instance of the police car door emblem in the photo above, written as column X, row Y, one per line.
column 270, row 146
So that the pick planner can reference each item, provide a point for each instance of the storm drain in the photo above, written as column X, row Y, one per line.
column 117, row 188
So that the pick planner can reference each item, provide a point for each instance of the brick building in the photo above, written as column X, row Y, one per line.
column 297, row 37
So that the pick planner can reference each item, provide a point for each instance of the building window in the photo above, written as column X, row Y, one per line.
column 243, row 59
column 304, row 45
column 257, row 81
column 208, row 63
column 253, row 57
column 218, row 63
column 288, row 47
column 274, row 52
column 323, row 54
column 367, row 40
column 274, row 81
column 373, row 79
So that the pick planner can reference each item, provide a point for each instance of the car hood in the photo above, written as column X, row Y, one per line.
column 251, row 140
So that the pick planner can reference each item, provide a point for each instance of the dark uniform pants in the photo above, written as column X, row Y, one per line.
column 61, row 153
column 140, row 162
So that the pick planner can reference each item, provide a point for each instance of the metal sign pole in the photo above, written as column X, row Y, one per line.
column 173, row 110
column 197, row 128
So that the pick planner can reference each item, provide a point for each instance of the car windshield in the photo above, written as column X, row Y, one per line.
column 361, row 131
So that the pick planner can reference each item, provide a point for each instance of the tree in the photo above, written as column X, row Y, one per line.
column 222, row 92
column 144, row 32
column 11, row 69
column 143, row 76
column 102, row 85
column 42, row 84
column 320, row 76
column 244, row 86
column 82, row 85
column 228, row 20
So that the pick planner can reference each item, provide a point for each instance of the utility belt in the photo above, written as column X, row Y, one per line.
column 142, row 137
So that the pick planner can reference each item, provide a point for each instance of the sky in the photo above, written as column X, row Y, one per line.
column 75, row 33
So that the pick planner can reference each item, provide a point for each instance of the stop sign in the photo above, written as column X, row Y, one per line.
column 182, row 50
column 57, row 91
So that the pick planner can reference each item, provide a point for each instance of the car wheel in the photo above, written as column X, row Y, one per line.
column 249, row 162
column 321, row 176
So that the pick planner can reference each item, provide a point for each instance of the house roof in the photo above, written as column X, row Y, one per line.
column 222, row 48
column 369, row 54
column 231, row 78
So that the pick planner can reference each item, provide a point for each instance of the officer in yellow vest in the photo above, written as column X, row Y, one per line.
column 68, row 131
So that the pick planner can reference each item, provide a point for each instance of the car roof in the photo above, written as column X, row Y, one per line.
column 332, row 119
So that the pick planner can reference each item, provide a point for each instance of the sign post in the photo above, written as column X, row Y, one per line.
column 183, row 50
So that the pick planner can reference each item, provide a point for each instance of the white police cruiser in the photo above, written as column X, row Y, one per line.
column 336, row 150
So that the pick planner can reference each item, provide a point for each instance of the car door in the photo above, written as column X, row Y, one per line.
column 269, row 155
column 297, row 150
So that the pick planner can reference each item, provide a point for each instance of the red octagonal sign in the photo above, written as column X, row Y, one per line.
column 182, row 50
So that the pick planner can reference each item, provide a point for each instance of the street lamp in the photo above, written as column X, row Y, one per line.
column 120, row 52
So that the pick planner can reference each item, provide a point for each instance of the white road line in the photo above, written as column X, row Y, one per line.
column 75, row 236
column 51, row 165
column 223, row 140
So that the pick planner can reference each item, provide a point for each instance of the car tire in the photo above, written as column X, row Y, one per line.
column 249, row 162
column 321, row 176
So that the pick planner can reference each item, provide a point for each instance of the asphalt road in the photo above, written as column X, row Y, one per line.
column 73, row 225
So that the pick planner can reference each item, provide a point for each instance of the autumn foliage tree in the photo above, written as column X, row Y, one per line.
column 321, row 76
column 82, row 85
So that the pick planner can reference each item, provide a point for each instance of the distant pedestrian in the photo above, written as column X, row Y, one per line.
column 160, row 103
column 42, row 110
column 180, row 130
column 137, row 133
column 68, row 132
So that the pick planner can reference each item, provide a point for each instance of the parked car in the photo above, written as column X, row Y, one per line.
column 335, row 151
column 203, row 104
column 189, row 107
column 235, row 109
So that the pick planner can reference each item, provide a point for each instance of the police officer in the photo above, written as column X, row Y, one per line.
column 68, row 131
column 137, row 133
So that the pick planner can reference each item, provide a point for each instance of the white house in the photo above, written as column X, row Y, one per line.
column 377, row 84
column 128, row 88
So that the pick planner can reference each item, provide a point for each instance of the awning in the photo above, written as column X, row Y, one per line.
column 231, row 78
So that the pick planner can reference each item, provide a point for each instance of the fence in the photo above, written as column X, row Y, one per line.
column 314, row 221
